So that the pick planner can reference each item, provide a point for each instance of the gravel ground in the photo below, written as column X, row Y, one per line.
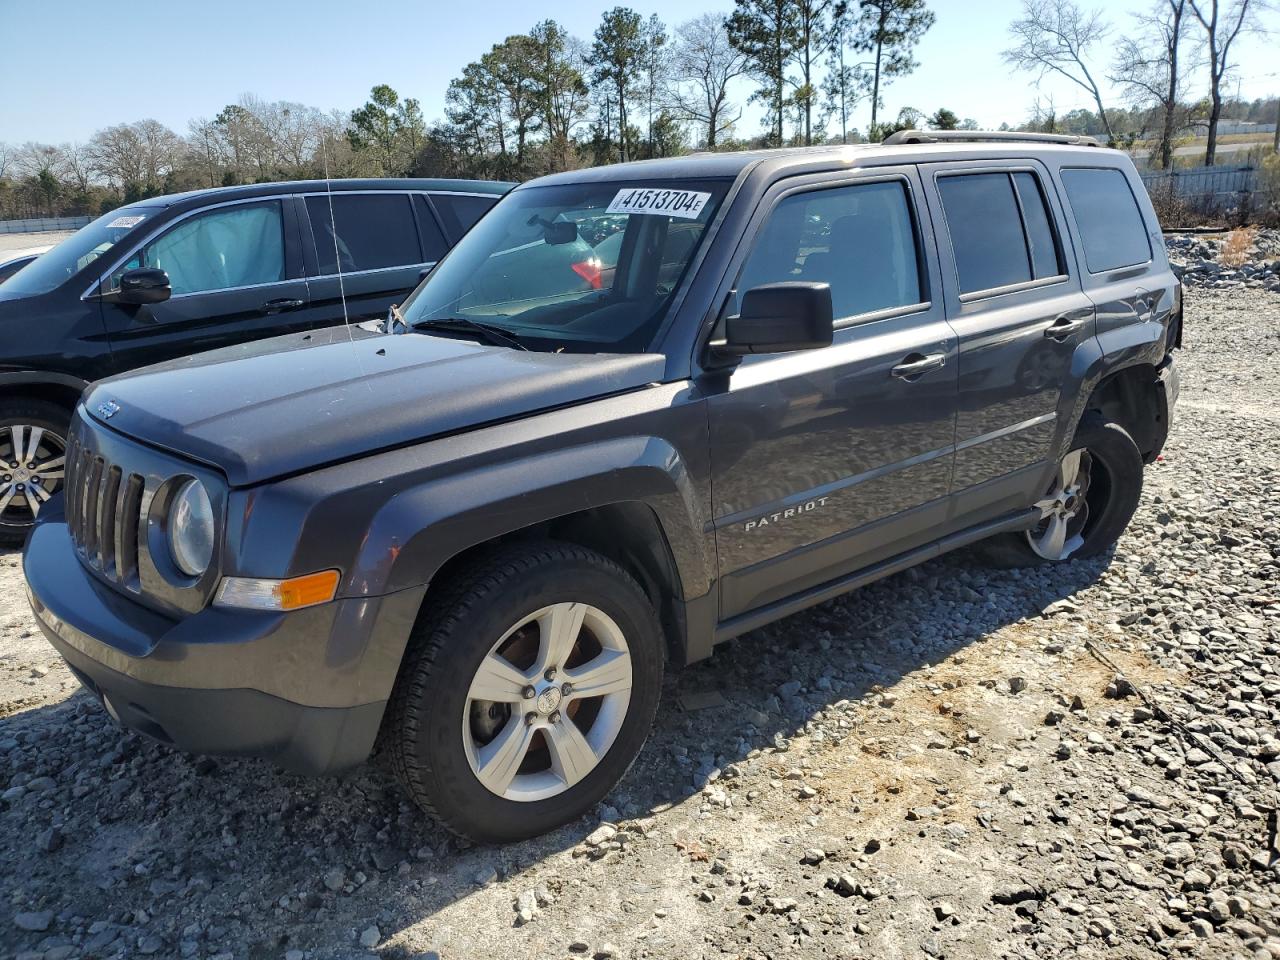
column 953, row 763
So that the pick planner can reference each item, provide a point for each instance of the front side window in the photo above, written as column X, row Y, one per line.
column 587, row 267
column 373, row 231
column 859, row 239
column 1107, row 214
column 237, row 246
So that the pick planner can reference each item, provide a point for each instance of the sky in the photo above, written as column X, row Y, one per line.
column 70, row 67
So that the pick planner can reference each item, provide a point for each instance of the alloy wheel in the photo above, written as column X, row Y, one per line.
column 32, row 467
column 547, row 702
column 1064, row 510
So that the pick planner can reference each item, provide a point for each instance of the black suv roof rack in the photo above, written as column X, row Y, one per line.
column 942, row 136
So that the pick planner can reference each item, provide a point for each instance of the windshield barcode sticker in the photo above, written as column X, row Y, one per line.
column 686, row 204
column 125, row 222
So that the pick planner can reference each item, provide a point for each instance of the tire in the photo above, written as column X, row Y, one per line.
column 20, row 420
column 437, row 735
column 1113, row 487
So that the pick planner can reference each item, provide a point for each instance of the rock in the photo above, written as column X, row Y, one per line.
column 1017, row 684
column 335, row 879
column 34, row 921
column 813, row 856
column 606, row 951
column 789, row 689
column 1196, row 879
column 601, row 834
column 370, row 937
column 943, row 910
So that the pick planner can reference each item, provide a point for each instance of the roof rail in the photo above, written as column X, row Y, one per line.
column 943, row 136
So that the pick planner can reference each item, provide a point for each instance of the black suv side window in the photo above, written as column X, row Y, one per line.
column 1107, row 215
column 241, row 245
column 860, row 239
column 460, row 212
column 434, row 245
column 375, row 231
column 1001, row 231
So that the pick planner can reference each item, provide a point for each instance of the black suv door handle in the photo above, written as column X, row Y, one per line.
column 281, row 305
column 915, row 364
column 1063, row 328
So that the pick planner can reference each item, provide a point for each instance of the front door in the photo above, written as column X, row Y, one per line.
column 235, row 275
column 828, row 460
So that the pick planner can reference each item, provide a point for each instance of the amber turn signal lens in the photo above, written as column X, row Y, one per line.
column 309, row 590
column 292, row 594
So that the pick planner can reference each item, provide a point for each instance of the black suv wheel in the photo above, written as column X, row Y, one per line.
column 1090, row 501
column 530, row 686
column 33, row 448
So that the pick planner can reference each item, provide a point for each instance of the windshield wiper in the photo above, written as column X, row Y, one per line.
column 489, row 333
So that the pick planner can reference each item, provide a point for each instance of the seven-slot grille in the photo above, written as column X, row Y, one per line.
column 103, row 507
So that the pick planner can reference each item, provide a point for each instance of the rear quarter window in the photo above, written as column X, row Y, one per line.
column 460, row 211
column 1107, row 216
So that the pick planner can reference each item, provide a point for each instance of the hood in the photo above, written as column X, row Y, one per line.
column 273, row 407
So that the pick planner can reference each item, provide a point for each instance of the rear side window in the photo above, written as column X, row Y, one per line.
column 460, row 212
column 860, row 239
column 1045, row 261
column 1108, row 217
column 374, row 231
column 434, row 245
column 1000, row 227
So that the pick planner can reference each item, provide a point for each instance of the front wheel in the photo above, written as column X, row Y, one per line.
column 530, row 686
column 1089, row 501
column 33, row 452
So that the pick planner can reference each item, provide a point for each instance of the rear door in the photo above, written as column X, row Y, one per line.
column 828, row 460
column 371, row 247
column 236, row 274
column 1020, row 314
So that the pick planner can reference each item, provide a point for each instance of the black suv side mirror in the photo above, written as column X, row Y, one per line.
column 143, row 285
column 780, row 317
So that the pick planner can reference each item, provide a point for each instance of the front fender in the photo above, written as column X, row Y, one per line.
column 416, row 531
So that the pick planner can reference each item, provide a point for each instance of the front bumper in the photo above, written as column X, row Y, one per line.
column 306, row 689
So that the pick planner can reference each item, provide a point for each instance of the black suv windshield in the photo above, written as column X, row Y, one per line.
column 77, row 251
column 588, row 267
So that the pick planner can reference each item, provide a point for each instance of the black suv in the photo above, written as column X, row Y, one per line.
column 174, row 275
column 476, row 544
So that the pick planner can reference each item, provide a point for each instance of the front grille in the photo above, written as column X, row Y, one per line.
column 104, row 507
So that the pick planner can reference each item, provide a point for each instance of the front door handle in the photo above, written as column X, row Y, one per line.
column 1063, row 328
column 282, row 305
column 915, row 364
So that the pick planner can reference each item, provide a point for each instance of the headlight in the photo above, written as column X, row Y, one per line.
column 191, row 529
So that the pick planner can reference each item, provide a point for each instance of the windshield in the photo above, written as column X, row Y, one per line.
column 77, row 251
column 587, row 267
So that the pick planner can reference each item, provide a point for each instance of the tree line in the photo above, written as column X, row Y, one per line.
column 546, row 101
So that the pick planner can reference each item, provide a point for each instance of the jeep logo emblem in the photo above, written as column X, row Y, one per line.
column 108, row 409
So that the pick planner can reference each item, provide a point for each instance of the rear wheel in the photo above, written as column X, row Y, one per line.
column 530, row 688
column 33, row 449
column 1089, row 501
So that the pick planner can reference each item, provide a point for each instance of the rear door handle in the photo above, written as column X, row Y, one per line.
column 282, row 305
column 1063, row 328
column 915, row 364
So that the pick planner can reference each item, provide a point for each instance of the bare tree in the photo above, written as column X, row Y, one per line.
column 136, row 157
column 76, row 163
column 1222, row 23
column 704, row 63
column 1057, row 37
column 1149, row 69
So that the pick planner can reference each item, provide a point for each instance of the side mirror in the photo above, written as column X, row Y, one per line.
column 780, row 317
column 143, row 285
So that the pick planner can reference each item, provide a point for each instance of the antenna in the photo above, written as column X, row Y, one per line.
column 333, row 231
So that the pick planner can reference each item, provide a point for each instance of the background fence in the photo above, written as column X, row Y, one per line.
column 43, row 224
column 1205, row 189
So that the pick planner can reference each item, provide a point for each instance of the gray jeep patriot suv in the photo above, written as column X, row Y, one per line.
column 638, row 410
